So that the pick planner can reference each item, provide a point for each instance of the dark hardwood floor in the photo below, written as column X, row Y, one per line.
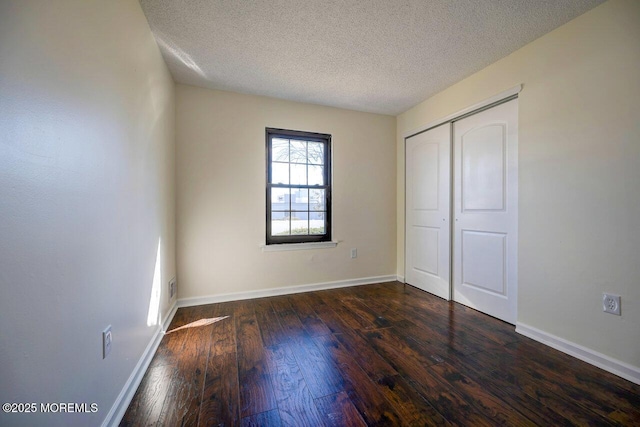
column 384, row 354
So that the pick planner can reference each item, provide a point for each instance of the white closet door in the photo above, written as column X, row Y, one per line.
column 485, row 210
column 427, row 229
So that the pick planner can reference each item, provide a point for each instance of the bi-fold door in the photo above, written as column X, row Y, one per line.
column 465, row 250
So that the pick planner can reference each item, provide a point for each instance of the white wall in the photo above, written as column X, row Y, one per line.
column 220, row 144
column 86, row 194
column 579, row 166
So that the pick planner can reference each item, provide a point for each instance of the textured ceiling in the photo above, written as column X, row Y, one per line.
column 381, row 56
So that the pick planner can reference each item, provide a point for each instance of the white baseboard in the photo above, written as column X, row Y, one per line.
column 400, row 279
column 169, row 318
column 121, row 404
column 212, row 299
column 609, row 364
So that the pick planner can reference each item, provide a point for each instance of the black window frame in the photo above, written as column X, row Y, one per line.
column 327, row 187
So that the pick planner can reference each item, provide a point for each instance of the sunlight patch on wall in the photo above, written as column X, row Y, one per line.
column 153, row 317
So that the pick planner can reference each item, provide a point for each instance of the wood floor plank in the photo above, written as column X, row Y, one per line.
column 321, row 377
column 179, row 319
column 352, row 319
column 411, row 407
column 262, row 304
column 490, row 327
column 295, row 403
column 358, row 307
column 182, row 404
column 366, row 356
column 245, row 307
column 423, row 335
column 607, row 400
column 320, row 374
column 413, row 366
column 270, row 327
column 168, row 352
column 292, row 326
column 256, row 391
column 264, row 419
column 147, row 403
column 518, row 399
column 362, row 391
column 381, row 308
column 312, row 323
column 220, row 399
column 453, row 332
column 330, row 318
column 220, row 402
column 186, row 316
column 569, row 409
column 337, row 410
column 280, row 303
column 393, row 345
column 534, row 382
column 603, row 384
column 511, row 393
column 170, row 349
column 448, row 402
column 472, row 392
column 382, row 354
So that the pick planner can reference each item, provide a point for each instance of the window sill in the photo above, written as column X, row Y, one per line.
column 298, row 246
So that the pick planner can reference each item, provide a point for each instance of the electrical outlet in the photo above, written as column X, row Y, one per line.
column 107, row 339
column 354, row 253
column 172, row 287
column 611, row 304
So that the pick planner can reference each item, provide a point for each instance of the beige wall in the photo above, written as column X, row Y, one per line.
column 220, row 139
column 86, row 192
column 579, row 165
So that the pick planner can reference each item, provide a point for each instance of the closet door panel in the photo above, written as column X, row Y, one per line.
column 485, row 211
column 427, row 229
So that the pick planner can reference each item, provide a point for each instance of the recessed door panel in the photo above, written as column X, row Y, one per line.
column 484, row 261
column 427, row 227
column 425, row 175
column 425, row 248
column 483, row 168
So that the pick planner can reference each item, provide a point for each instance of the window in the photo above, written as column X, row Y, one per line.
column 298, row 187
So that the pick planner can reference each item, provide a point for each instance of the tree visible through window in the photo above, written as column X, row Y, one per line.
column 298, row 186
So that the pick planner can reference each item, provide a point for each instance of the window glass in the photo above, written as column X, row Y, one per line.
column 298, row 187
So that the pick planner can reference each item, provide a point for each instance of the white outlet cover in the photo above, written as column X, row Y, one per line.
column 107, row 339
column 611, row 304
